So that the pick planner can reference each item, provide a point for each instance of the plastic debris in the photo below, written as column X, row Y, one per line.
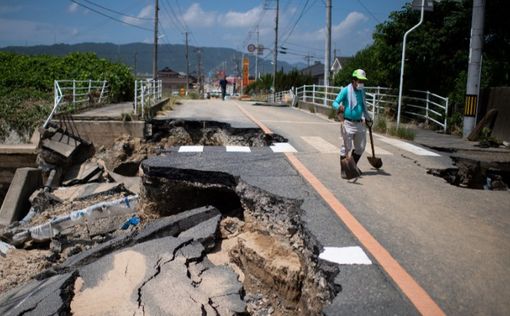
column 4, row 248
column 133, row 221
column 49, row 229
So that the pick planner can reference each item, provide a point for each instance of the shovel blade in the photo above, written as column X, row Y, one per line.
column 349, row 166
column 375, row 162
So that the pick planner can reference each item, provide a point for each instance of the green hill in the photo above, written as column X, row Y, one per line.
column 169, row 55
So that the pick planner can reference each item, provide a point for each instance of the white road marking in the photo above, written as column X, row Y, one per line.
column 407, row 147
column 283, row 148
column 321, row 145
column 191, row 149
column 239, row 149
column 345, row 255
column 378, row 151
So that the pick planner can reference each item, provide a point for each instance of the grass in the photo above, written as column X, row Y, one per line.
column 385, row 126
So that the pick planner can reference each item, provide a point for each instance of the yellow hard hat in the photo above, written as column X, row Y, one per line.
column 360, row 74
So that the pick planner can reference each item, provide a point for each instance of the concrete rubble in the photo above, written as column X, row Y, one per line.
column 117, row 228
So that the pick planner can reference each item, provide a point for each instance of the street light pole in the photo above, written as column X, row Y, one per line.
column 275, row 51
column 155, row 49
column 403, row 61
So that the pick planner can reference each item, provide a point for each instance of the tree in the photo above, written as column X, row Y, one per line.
column 436, row 52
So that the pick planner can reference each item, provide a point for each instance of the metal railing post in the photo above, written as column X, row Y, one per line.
column 446, row 115
column 74, row 92
column 313, row 93
column 427, row 108
column 143, row 99
column 136, row 97
column 374, row 107
column 90, row 85
column 378, row 97
column 102, row 92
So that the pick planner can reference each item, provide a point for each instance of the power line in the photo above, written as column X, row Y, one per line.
column 117, row 12
column 174, row 19
column 369, row 12
column 111, row 17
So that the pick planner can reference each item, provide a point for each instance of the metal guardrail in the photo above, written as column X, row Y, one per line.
column 147, row 93
column 424, row 105
column 71, row 95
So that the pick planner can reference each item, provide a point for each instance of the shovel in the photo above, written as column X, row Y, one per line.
column 374, row 161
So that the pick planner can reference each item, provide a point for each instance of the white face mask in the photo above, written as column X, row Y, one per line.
column 360, row 86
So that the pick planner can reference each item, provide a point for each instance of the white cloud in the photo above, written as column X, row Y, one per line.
column 353, row 21
column 342, row 31
column 145, row 13
column 197, row 17
column 241, row 19
column 73, row 7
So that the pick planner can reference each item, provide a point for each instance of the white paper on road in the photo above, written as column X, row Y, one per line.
column 283, row 148
column 408, row 147
column 345, row 255
column 238, row 149
column 191, row 149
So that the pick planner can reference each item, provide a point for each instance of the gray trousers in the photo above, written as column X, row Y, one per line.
column 353, row 135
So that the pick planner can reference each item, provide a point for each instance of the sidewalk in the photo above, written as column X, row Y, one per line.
column 460, row 147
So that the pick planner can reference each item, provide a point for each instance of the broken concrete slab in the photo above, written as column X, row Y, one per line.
column 173, row 292
column 173, row 225
column 88, row 190
column 47, row 297
column 16, row 204
column 81, row 173
column 205, row 232
column 133, row 184
column 61, row 144
column 168, row 226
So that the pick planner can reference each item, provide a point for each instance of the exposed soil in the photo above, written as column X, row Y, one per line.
column 261, row 235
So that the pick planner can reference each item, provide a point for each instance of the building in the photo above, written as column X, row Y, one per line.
column 338, row 64
column 316, row 71
column 173, row 80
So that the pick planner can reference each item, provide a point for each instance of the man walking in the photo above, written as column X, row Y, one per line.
column 352, row 109
column 223, row 85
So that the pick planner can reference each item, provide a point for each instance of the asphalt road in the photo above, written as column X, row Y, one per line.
column 453, row 241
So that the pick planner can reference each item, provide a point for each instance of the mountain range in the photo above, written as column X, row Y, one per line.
column 138, row 56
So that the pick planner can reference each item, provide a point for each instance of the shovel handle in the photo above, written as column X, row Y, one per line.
column 371, row 139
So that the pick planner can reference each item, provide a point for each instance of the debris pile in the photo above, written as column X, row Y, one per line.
column 134, row 237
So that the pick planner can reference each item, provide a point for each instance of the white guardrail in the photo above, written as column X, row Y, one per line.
column 77, row 94
column 424, row 105
column 147, row 93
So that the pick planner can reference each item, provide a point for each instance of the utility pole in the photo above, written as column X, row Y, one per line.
column 257, row 56
column 187, row 64
column 155, row 49
column 275, row 51
column 474, row 67
column 327, row 57
column 308, row 58
column 199, row 71
column 134, row 70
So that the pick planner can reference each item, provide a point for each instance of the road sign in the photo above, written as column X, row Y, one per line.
column 251, row 48
column 260, row 49
column 429, row 5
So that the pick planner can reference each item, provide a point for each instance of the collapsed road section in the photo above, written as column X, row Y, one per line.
column 183, row 241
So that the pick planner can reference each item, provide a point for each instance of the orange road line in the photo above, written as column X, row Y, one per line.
column 416, row 294
column 262, row 126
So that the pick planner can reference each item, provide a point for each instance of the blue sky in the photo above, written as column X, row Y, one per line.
column 217, row 23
